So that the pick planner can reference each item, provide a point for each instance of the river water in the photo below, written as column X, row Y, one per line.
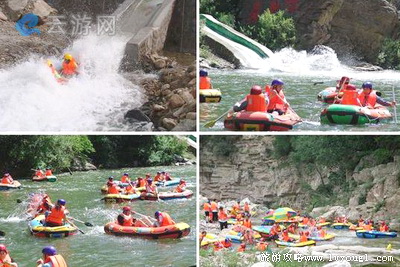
column 299, row 71
column 95, row 248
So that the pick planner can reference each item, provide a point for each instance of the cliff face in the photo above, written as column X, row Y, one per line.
column 351, row 27
column 253, row 172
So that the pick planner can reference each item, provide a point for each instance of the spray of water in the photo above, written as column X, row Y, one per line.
column 96, row 100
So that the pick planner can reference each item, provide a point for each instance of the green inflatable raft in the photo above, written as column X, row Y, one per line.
column 354, row 115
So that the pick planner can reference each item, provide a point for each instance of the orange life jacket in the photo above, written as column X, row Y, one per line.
column 226, row 244
column 166, row 219
column 49, row 173
column 285, row 237
column 56, row 261
column 256, row 103
column 291, row 229
column 180, row 188
column 384, row 228
column 261, row 246
column 303, row 238
column 128, row 220
column 368, row 100
column 56, row 215
column 367, row 227
column 113, row 189
column 142, row 183
column 157, row 178
column 124, row 179
column 236, row 207
column 207, row 206
column 130, row 189
column 6, row 180
column 214, row 206
column 350, row 97
column 222, row 216
column 277, row 101
column 205, row 83
column 247, row 223
column 305, row 220
column 69, row 68
column 218, row 246
column 39, row 173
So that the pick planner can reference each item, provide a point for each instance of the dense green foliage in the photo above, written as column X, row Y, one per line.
column 275, row 31
column 389, row 56
column 20, row 154
column 23, row 153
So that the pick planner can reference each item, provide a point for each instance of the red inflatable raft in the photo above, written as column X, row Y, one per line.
column 261, row 121
column 178, row 230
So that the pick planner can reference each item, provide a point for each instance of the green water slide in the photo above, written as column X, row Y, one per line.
column 227, row 32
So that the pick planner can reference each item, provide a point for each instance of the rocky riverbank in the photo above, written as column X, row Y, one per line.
column 171, row 94
column 253, row 171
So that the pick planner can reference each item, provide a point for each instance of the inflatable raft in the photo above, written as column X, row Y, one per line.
column 327, row 95
column 262, row 230
column 104, row 188
column 261, row 121
column 51, row 178
column 15, row 185
column 340, row 226
column 178, row 230
column 173, row 182
column 210, row 95
column 119, row 198
column 354, row 115
column 318, row 224
column 295, row 244
column 327, row 237
column 211, row 239
column 38, row 229
column 375, row 234
column 236, row 237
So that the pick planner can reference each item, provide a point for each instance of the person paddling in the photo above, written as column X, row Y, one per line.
column 255, row 101
column 369, row 98
column 277, row 100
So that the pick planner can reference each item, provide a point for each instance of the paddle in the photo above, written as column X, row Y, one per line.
column 85, row 223
column 395, row 109
column 75, row 226
column 284, row 100
column 213, row 122
column 70, row 172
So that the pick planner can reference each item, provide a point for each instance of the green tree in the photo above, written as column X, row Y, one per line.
column 275, row 31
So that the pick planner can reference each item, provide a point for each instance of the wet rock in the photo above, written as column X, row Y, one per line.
column 187, row 97
column 15, row 8
column 160, row 64
column 185, row 125
column 136, row 115
column 191, row 116
column 82, row 166
column 176, row 101
column 42, row 9
column 3, row 16
column 158, row 108
column 143, row 127
column 168, row 123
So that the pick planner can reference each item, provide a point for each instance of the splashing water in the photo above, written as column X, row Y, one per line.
column 96, row 100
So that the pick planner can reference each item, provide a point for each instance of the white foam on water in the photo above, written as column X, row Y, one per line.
column 96, row 100
column 12, row 219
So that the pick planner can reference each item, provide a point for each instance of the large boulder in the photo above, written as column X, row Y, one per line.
column 42, row 9
column 351, row 27
column 15, row 8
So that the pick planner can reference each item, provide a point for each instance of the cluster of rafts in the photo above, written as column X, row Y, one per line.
column 280, row 216
column 38, row 228
column 333, row 114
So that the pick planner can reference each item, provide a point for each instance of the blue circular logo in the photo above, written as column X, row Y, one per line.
column 26, row 25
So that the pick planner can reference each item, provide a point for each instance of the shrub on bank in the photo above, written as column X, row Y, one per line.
column 389, row 56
